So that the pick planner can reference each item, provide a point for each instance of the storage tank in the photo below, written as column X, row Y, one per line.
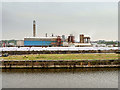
column 71, row 39
column 81, row 38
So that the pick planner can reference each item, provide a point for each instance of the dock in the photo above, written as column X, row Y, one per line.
column 45, row 64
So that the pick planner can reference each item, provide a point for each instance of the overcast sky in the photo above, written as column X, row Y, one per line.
column 99, row 20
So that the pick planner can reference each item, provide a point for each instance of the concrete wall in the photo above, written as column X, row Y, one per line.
column 20, row 43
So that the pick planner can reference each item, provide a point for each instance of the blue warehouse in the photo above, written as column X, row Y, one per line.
column 43, row 41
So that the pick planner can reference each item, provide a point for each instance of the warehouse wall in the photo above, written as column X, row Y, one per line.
column 38, row 43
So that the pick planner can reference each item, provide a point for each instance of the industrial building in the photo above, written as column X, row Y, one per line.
column 20, row 43
column 43, row 41
column 53, row 41
column 71, row 39
column 84, row 39
column 84, row 42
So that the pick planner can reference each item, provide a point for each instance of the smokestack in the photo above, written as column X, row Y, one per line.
column 46, row 34
column 34, row 29
column 52, row 35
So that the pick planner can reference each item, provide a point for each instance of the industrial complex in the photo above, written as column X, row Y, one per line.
column 53, row 41
column 55, row 44
column 21, row 55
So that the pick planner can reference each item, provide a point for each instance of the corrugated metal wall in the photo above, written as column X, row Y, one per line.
column 38, row 43
column 41, row 42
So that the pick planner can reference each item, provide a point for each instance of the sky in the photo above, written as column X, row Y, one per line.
column 99, row 20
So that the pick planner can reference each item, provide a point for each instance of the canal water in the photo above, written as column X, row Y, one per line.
column 60, row 78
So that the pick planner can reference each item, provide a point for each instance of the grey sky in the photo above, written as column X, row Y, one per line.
column 97, row 19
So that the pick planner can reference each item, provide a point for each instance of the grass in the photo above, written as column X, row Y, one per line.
column 62, row 57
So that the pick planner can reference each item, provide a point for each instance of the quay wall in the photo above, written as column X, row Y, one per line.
column 59, row 64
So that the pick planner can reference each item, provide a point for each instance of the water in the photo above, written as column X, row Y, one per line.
column 60, row 78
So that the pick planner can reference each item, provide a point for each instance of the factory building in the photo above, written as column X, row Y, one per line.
column 43, row 41
column 84, row 41
column 71, row 39
column 54, row 41
column 20, row 43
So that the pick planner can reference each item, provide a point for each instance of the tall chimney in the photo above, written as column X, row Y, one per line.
column 34, row 29
column 81, row 38
column 46, row 34
column 52, row 35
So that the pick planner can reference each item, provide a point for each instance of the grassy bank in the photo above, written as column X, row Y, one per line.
column 62, row 57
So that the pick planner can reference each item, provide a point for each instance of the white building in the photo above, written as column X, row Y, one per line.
column 20, row 43
column 98, row 45
column 82, row 44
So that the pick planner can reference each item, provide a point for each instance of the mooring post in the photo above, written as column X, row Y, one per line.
column 74, row 65
column 88, row 63
column 25, row 64
column 54, row 64
column 47, row 65
column 32, row 63
column 81, row 64
column 10, row 66
column 69, row 65
column 5, row 65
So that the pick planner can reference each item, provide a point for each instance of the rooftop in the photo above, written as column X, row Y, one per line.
column 42, row 37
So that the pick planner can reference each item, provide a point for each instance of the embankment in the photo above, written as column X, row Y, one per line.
column 34, row 64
